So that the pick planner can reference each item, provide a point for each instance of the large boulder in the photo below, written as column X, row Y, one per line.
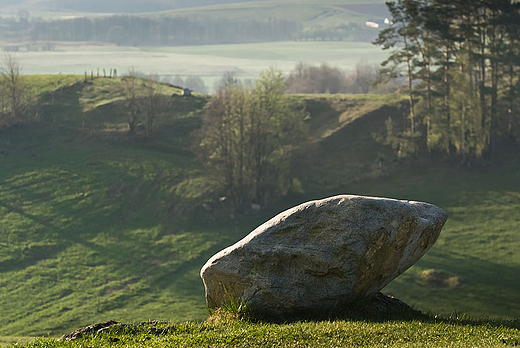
column 322, row 254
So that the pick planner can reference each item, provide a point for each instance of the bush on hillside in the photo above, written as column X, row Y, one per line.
column 249, row 136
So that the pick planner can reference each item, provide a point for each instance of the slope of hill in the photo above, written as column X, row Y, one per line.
column 73, row 197
column 311, row 14
column 325, row 14
column 97, row 225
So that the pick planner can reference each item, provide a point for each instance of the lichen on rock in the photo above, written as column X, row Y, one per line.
column 323, row 254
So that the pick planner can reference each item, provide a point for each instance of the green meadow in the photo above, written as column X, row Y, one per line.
column 328, row 13
column 97, row 225
column 209, row 62
column 310, row 13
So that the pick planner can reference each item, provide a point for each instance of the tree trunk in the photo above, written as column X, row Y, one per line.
column 410, row 78
column 447, row 95
column 511, row 98
column 463, row 129
column 482, row 75
column 493, row 132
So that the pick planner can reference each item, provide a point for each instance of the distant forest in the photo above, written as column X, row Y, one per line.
column 164, row 31
column 133, row 30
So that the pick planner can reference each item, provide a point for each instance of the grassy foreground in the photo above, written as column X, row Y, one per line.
column 425, row 332
column 97, row 225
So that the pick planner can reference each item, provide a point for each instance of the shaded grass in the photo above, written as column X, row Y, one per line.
column 96, row 225
column 479, row 243
column 81, row 241
column 331, row 113
column 42, row 84
column 90, row 225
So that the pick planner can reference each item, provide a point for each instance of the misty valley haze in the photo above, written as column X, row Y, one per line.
column 139, row 138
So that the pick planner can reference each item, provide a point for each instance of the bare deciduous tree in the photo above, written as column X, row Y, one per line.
column 130, row 91
column 153, row 104
column 14, row 90
column 250, row 136
column 307, row 78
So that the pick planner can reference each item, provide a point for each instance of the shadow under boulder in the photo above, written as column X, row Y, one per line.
column 323, row 256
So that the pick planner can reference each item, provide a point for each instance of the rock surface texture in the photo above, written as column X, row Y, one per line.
column 323, row 254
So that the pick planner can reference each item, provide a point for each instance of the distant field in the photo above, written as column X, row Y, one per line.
column 311, row 13
column 209, row 62
column 326, row 13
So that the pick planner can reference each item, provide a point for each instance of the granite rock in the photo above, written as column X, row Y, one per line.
column 323, row 254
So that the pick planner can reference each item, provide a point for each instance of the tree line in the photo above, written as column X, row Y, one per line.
column 135, row 30
column 15, row 100
column 313, row 79
column 461, row 60
column 169, row 30
column 341, row 32
column 249, row 137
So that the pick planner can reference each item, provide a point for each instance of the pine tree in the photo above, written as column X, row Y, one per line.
column 401, row 37
column 466, row 55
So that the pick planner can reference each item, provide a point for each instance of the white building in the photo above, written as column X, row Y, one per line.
column 371, row 24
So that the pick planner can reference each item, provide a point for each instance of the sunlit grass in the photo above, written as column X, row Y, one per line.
column 41, row 84
column 10, row 340
column 425, row 332
column 309, row 13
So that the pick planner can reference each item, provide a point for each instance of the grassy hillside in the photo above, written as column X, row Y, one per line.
column 80, row 213
column 209, row 62
column 328, row 13
column 97, row 225
column 474, row 265
column 311, row 13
